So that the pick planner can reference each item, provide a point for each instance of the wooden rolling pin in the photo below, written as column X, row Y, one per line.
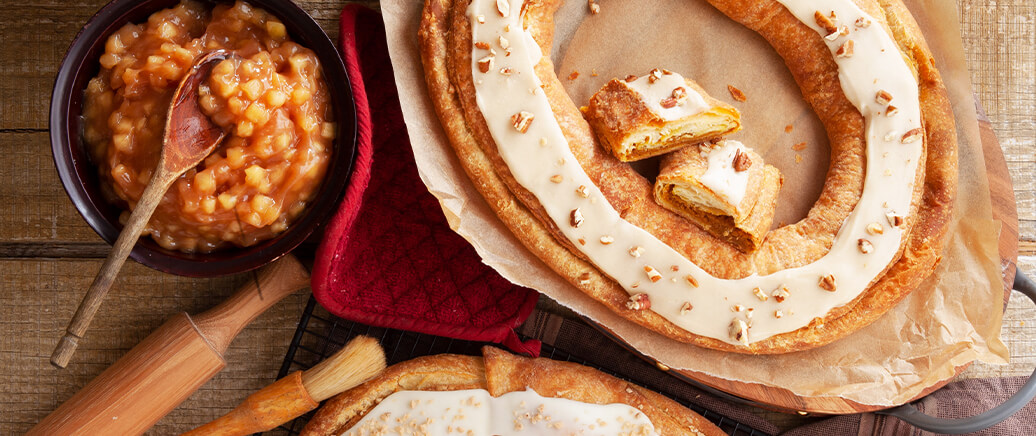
column 166, row 367
column 300, row 391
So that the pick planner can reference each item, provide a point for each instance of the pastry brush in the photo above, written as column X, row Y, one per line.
column 301, row 391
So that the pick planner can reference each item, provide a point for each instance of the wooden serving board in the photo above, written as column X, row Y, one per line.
column 1004, row 209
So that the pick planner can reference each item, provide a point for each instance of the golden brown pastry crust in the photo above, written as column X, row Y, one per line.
column 617, row 114
column 500, row 372
column 744, row 229
column 445, row 372
column 445, row 42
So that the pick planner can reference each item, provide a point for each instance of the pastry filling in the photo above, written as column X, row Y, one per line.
column 875, row 78
column 476, row 412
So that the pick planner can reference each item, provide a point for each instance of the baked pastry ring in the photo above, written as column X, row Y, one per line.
column 500, row 373
column 874, row 234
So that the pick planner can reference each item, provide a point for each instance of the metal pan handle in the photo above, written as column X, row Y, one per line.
column 985, row 419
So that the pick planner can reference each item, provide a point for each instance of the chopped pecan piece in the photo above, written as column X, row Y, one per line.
column 485, row 64
column 883, row 97
column 825, row 22
column 846, row 50
column 482, row 45
column 686, row 308
column 691, row 280
column 584, row 278
column 912, row 136
column 875, row 229
column 780, row 294
column 739, row 331
column 737, row 94
column 894, row 219
column 827, row 283
column 741, row 161
column 638, row 302
column 522, row 120
column 594, row 7
column 576, row 218
column 631, row 78
column 652, row 273
column 503, row 7
column 654, row 75
column 865, row 246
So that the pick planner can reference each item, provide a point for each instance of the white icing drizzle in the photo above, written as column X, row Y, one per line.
column 653, row 93
column 542, row 152
column 474, row 412
column 720, row 176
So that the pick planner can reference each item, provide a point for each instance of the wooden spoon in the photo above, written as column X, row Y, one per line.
column 190, row 136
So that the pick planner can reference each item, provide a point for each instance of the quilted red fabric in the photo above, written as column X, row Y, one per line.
column 388, row 257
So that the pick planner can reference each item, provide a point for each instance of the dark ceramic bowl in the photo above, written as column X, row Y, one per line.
column 80, row 176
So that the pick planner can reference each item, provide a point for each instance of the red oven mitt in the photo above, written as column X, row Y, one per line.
column 388, row 258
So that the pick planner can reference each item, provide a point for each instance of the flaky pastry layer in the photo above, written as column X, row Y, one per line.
column 445, row 39
column 500, row 372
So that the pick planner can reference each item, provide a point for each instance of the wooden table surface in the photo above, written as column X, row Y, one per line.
column 48, row 255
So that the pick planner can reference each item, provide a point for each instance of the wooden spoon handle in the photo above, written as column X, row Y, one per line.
column 149, row 200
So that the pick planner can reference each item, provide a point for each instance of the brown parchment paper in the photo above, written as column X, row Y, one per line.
column 952, row 319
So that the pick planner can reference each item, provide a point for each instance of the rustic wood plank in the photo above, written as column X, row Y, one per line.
column 40, row 296
column 1000, row 49
column 34, row 206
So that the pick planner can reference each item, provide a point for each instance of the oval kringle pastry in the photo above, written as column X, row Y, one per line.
column 875, row 233
column 501, row 394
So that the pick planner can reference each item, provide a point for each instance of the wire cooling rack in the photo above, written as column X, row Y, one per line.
column 320, row 334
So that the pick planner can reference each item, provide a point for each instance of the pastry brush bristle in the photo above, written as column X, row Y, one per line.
column 360, row 359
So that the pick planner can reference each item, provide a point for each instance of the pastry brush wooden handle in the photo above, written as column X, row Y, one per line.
column 264, row 410
column 300, row 392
